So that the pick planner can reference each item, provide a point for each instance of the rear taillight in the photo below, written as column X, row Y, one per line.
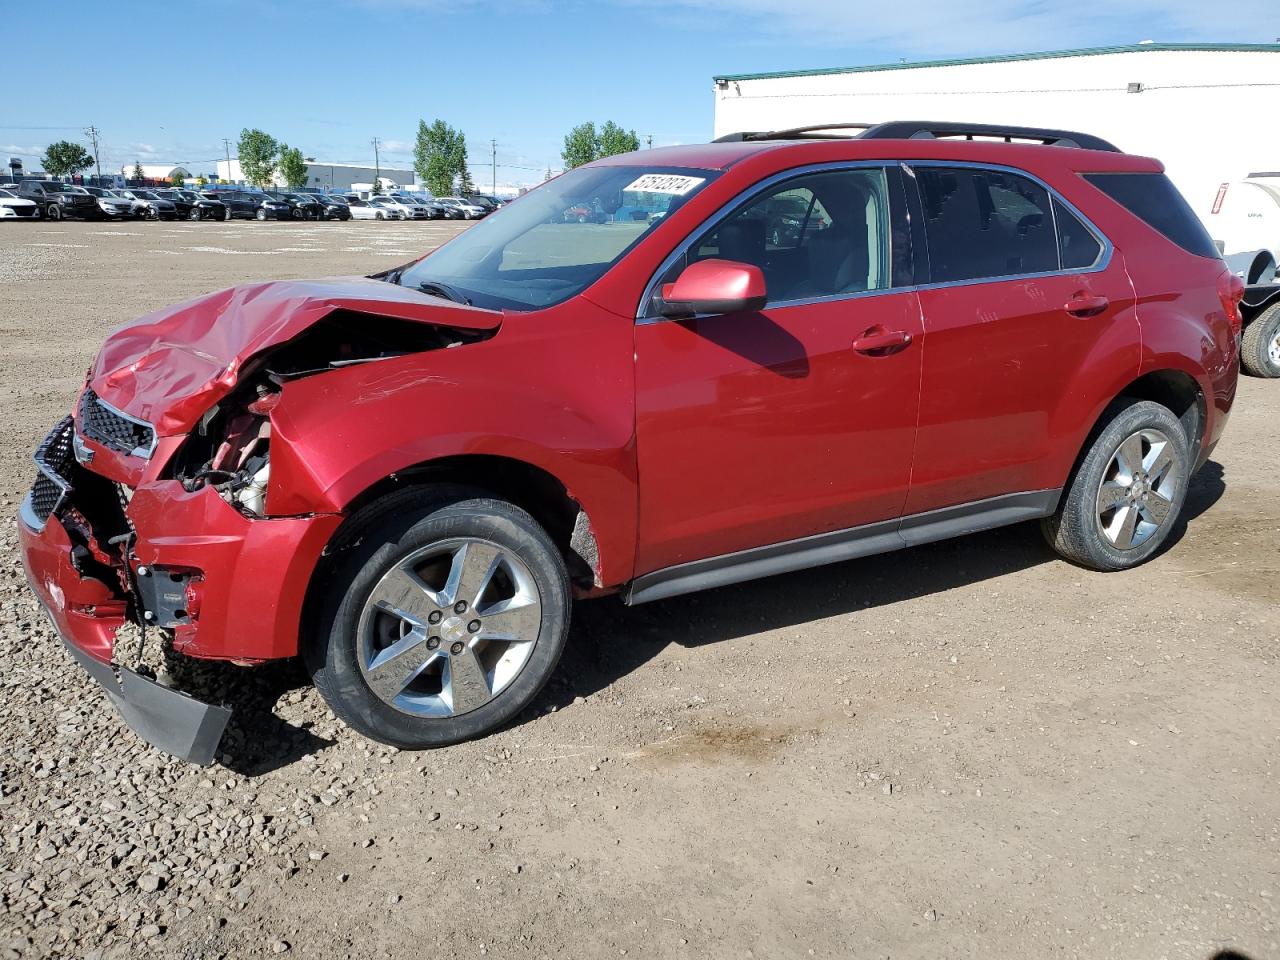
column 1231, row 292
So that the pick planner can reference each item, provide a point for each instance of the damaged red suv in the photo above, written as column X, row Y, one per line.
column 765, row 354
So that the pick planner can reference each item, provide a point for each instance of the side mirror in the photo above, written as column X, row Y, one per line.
column 714, row 286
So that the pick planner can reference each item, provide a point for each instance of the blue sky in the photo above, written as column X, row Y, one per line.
column 165, row 82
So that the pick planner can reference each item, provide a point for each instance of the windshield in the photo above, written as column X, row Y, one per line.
column 557, row 240
column 52, row 186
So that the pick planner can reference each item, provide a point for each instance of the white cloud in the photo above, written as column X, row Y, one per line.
column 929, row 28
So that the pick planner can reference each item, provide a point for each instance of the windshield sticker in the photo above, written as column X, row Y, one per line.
column 664, row 183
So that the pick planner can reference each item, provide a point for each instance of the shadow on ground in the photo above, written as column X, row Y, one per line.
column 609, row 639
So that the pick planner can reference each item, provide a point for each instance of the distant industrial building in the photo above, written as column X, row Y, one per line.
column 326, row 176
column 155, row 171
column 1204, row 110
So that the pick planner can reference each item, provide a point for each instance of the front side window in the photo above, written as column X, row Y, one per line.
column 985, row 224
column 559, row 238
column 823, row 234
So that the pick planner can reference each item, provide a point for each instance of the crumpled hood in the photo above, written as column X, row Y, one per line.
column 170, row 366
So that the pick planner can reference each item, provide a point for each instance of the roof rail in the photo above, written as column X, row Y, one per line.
column 816, row 132
column 923, row 130
column 926, row 130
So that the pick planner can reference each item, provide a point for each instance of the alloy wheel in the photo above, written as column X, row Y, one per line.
column 1273, row 349
column 449, row 628
column 1138, row 489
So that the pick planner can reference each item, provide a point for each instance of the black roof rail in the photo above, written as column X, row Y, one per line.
column 924, row 130
column 814, row 132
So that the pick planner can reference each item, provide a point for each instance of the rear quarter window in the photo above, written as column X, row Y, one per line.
column 1152, row 198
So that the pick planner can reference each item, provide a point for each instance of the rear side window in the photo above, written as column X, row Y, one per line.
column 1151, row 197
column 1079, row 247
column 985, row 224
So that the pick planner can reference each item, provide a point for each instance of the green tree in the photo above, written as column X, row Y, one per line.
column 137, row 171
column 435, row 155
column 65, row 159
column 461, row 168
column 581, row 145
column 257, row 153
column 292, row 168
column 613, row 140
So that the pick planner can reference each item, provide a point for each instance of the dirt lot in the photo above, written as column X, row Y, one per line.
column 964, row 750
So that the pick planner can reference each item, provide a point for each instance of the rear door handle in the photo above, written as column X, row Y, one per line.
column 879, row 342
column 1082, row 305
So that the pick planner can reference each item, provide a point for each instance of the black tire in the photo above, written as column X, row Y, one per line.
column 53, row 212
column 1260, row 344
column 228, row 215
column 1076, row 530
column 261, row 214
column 373, row 542
column 195, row 214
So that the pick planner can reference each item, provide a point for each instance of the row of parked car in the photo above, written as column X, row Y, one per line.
column 53, row 200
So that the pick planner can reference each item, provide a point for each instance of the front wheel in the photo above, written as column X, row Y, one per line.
column 446, row 613
column 1260, row 344
column 195, row 214
column 227, row 215
column 262, row 215
column 1124, row 499
column 54, row 212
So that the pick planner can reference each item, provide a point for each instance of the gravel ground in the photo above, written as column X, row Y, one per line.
column 964, row 750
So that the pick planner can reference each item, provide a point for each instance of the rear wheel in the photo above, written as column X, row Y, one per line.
column 227, row 215
column 1260, row 344
column 1125, row 497
column 447, row 612
column 195, row 214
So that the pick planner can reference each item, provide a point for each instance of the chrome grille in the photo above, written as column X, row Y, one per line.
column 53, row 461
column 109, row 427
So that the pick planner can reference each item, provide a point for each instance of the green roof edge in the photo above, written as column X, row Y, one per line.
column 1011, row 57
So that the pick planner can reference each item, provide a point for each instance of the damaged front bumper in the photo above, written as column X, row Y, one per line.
column 86, row 616
column 218, row 584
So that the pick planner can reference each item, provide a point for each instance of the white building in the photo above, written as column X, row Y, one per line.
column 1207, row 111
column 326, row 176
column 155, row 171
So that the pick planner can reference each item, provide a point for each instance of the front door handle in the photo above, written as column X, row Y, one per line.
column 1082, row 305
column 880, row 342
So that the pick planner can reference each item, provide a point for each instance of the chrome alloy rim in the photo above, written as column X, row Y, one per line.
column 1273, row 349
column 449, row 628
column 1138, row 488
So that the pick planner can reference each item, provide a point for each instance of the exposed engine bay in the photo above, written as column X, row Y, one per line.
column 230, row 447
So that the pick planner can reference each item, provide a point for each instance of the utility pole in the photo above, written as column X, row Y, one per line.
column 648, row 139
column 377, row 168
column 92, row 134
column 493, row 159
column 227, row 146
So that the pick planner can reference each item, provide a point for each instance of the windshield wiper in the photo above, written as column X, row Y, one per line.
column 433, row 288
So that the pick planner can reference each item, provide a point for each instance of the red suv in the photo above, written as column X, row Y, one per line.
column 407, row 479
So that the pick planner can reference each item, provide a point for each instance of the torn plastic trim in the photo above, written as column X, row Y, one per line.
column 168, row 719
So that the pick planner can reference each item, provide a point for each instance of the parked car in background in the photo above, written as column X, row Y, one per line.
column 470, row 210
column 446, row 211
column 14, row 207
column 480, row 200
column 304, row 206
column 112, row 205
column 192, row 206
column 153, row 206
column 985, row 333
column 408, row 209
column 271, row 208
column 367, row 210
column 235, row 203
column 58, row 200
column 335, row 208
